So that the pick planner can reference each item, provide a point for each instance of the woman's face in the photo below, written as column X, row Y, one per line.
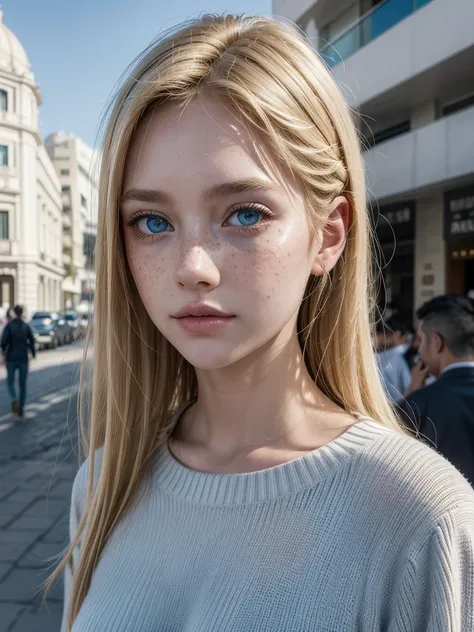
column 220, row 251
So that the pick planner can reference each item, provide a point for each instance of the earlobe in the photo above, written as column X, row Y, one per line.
column 334, row 237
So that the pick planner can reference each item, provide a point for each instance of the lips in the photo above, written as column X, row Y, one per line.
column 200, row 319
column 200, row 310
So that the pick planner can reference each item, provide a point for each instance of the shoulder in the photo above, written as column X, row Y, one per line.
column 408, row 479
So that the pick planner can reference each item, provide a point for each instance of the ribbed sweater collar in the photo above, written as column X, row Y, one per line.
column 268, row 484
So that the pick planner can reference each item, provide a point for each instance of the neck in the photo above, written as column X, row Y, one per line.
column 454, row 360
column 266, row 398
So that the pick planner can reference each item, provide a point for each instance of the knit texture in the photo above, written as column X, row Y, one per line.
column 374, row 531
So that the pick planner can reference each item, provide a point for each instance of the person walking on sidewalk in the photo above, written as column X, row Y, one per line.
column 17, row 339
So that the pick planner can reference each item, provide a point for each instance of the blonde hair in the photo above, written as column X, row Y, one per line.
column 266, row 73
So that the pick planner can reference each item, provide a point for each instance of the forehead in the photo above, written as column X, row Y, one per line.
column 201, row 144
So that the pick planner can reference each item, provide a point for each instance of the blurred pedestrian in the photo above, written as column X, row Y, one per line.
column 391, row 348
column 17, row 340
column 443, row 412
column 412, row 354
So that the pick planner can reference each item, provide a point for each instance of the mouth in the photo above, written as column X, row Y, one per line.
column 200, row 311
column 202, row 319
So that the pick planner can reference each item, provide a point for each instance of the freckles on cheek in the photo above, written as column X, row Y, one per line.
column 148, row 272
column 277, row 269
column 260, row 271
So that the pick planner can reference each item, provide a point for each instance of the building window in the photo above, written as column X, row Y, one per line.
column 83, row 201
column 64, row 172
column 65, row 188
column 4, row 227
column 3, row 101
column 89, row 244
column 386, row 134
column 4, row 155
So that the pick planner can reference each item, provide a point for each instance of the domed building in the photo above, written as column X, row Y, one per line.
column 31, row 222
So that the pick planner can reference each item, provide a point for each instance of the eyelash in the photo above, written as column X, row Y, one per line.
column 251, row 206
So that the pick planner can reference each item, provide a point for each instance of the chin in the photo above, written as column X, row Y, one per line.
column 209, row 355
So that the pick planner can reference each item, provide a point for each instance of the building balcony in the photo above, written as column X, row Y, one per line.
column 66, row 259
column 67, row 220
column 370, row 26
column 66, row 200
column 5, row 247
column 426, row 158
column 402, row 52
column 67, row 241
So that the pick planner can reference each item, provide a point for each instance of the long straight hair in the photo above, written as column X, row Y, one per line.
column 268, row 75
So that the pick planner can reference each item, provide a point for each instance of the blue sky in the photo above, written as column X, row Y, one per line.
column 79, row 48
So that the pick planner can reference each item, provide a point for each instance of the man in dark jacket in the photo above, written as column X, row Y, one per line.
column 16, row 339
column 443, row 412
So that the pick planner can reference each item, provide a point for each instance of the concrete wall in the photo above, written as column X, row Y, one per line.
column 430, row 250
column 292, row 9
column 437, row 152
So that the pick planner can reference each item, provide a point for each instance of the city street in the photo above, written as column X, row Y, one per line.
column 37, row 467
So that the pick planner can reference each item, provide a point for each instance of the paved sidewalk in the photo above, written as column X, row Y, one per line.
column 37, row 467
column 34, row 514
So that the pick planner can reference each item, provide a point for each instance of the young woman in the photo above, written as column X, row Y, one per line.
column 245, row 469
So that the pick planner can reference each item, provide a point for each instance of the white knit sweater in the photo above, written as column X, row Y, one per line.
column 372, row 532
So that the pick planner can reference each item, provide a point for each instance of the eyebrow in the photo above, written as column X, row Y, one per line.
column 217, row 190
column 145, row 195
column 237, row 186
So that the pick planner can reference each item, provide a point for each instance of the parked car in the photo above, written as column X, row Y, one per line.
column 72, row 318
column 51, row 330
column 82, row 327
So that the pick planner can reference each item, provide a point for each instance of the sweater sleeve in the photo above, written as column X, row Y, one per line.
column 436, row 590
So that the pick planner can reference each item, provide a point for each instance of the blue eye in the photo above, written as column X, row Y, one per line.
column 245, row 217
column 153, row 225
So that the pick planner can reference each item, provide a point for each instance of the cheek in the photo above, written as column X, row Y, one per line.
column 148, row 270
column 277, row 267
column 423, row 350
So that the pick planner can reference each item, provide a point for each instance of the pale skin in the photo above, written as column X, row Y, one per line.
column 257, row 406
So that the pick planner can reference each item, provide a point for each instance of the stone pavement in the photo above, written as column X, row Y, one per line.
column 37, row 467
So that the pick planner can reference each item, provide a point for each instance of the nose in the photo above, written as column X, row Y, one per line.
column 197, row 270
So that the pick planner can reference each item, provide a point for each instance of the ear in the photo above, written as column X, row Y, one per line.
column 437, row 342
column 334, row 237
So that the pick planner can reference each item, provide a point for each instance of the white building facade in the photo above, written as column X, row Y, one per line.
column 31, row 267
column 76, row 165
column 406, row 66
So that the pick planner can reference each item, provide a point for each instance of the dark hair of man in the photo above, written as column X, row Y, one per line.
column 394, row 324
column 451, row 317
column 18, row 311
